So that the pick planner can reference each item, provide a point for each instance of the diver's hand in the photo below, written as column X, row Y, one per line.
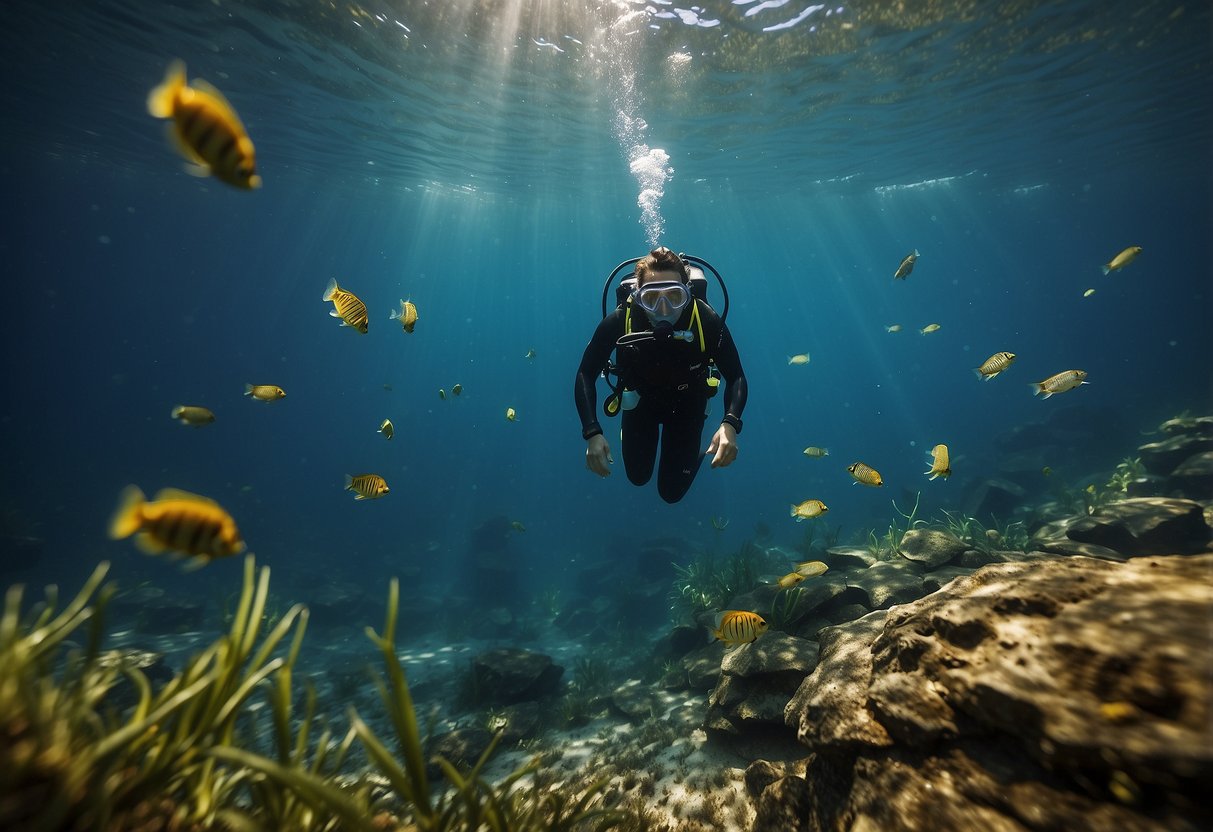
column 598, row 456
column 724, row 446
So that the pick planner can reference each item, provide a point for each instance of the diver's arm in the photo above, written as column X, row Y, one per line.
column 735, row 388
column 585, row 395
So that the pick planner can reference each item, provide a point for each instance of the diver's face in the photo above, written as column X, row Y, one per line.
column 667, row 298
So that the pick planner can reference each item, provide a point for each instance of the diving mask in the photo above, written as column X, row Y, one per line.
column 663, row 301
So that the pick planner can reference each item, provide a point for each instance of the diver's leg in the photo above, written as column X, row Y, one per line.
column 639, row 438
column 681, row 456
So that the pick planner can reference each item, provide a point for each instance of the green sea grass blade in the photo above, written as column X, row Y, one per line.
column 314, row 791
column 133, row 729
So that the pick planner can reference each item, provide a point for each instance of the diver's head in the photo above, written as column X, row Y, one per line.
column 662, row 286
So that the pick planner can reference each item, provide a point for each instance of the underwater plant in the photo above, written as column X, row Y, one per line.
column 885, row 546
column 783, row 607
column 706, row 584
column 177, row 758
column 1128, row 471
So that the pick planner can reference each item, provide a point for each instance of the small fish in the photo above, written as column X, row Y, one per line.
column 811, row 568
column 808, row 510
column 907, row 265
column 865, row 475
column 457, row 389
column 387, row 429
column 1121, row 260
column 803, row 358
column 790, row 580
column 511, row 415
column 366, row 486
column 941, row 466
column 407, row 315
column 347, row 307
column 720, row 523
column 176, row 521
column 1047, row 471
column 816, row 452
column 739, row 627
column 1060, row 383
column 893, row 328
column 205, row 129
column 264, row 392
column 994, row 365
column 188, row 414
column 1088, row 293
column 928, row 329
column 530, row 353
column 387, row 387
column 517, row 526
column 442, row 394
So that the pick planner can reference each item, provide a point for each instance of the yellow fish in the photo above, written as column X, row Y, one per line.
column 994, row 365
column 442, row 394
column 1047, row 471
column 347, row 307
column 511, row 415
column 808, row 510
column 865, row 475
column 517, row 526
column 1088, row 293
column 907, row 265
column 893, row 328
column 928, row 329
column 816, row 452
column 811, row 568
column 366, row 486
column 1121, row 260
column 739, row 627
column 188, row 414
column 407, row 315
column 264, row 392
column 1060, row 383
column 176, row 521
column 457, row 389
column 205, row 129
column 790, row 580
column 530, row 353
column 941, row 466
column 387, row 429
column 803, row 358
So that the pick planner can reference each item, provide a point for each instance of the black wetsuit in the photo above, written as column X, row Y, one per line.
column 670, row 375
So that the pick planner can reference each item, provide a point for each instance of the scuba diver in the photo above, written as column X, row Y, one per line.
column 671, row 349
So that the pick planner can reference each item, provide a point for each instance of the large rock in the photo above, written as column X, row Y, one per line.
column 756, row 682
column 888, row 583
column 931, row 547
column 1146, row 526
column 1070, row 693
column 1162, row 457
column 508, row 675
column 1193, row 478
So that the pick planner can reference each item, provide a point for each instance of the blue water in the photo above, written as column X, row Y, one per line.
column 469, row 162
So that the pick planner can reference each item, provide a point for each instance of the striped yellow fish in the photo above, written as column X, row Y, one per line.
column 188, row 414
column 347, row 307
column 176, row 521
column 1121, row 260
column 808, row 510
column 264, row 392
column 816, row 452
column 387, row 429
column 907, row 265
column 994, row 365
column 366, row 486
column 205, row 129
column 811, row 568
column 407, row 315
column 865, row 475
column 941, row 466
column 739, row 627
column 511, row 415
column 1060, row 383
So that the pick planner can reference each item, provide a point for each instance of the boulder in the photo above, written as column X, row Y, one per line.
column 634, row 700
column 850, row 557
column 1193, row 478
column 756, row 682
column 1163, row 456
column 508, row 675
column 889, row 583
column 1065, row 693
column 995, row 496
column 1146, row 526
column 931, row 547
